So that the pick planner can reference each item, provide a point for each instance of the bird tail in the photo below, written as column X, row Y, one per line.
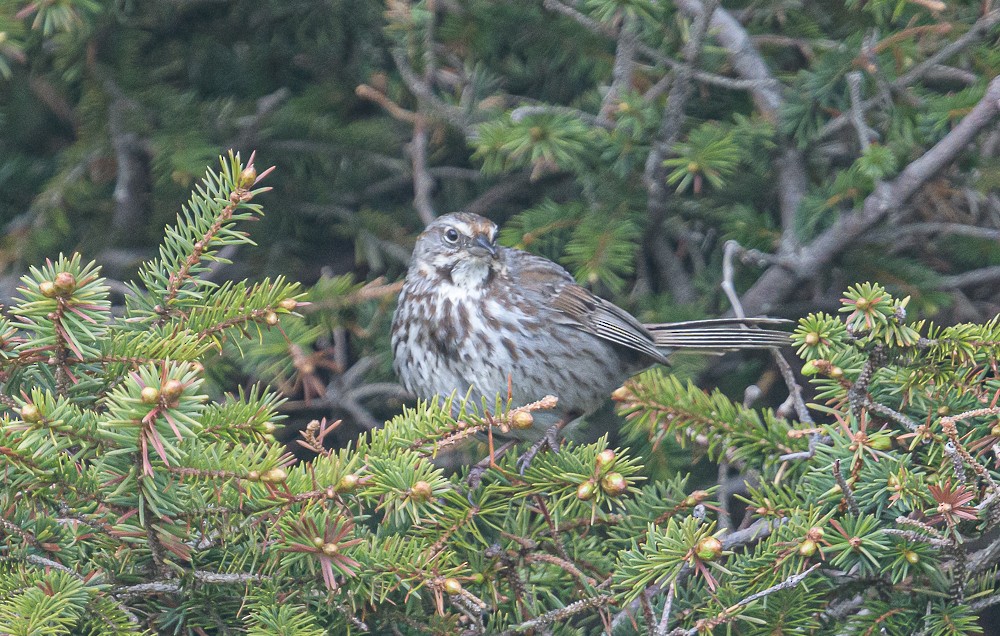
column 720, row 334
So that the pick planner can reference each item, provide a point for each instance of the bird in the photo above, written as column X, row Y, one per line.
column 480, row 319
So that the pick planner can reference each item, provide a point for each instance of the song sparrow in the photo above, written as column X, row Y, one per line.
column 473, row 314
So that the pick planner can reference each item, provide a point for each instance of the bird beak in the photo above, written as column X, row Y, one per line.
column 482, row 247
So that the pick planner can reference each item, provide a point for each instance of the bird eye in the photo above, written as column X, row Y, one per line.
column 451, row 235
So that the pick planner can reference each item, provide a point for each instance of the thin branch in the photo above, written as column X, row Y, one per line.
column 845, row 488
column 778, row 282
column 560, row 614
column 661, row 629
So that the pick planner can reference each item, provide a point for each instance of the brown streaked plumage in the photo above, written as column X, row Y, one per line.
column 472, row 313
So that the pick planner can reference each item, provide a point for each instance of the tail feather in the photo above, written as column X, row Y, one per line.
column 723, row 334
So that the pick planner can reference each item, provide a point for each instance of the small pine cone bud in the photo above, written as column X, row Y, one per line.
column 943, row 410
column 812, row 338
column 881, row 443
column 288, row 304
column 522, row 420
column 621, row 394
column 150, row 395
column 47, row 288
column 605, row 458
column 585, row 491
column 807, row 548
column 862, row 304
column 347, row 483
column 893, row 483
column 836, row 372
column 452, row 586
column 247, row 177
column 614, row 484
column 815, row 533
column 330, row 549
column 253, row 475
column 995, row 430
column 172, row 389
column 271, row 318
column 709, row 549
column 31, row 414
column 695, row 498
column 65, row 283
column 911, row 557
column 477, row 578
column 269, row 427
column 421, row 491
column 275, row 475
column 318, row 542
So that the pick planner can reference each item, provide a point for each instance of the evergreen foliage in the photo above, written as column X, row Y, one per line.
column 136, row 503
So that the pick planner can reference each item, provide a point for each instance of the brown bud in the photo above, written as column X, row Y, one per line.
column 247, row 177
column 269, row 427
column 47, row 288
column 288, row 304
column 330, row 549
column 452, row 586
column 815, row 533
column 585, row 491
column 65, row 283
column 522, row 420
column 812, row 338
column 274, row 475
column 347, row 483
column 836, row 372
column 172, row 389
column 318, row 542
column 621, row 394
column 421, row 491
column 695, row 498
column 604, row 458
column 709, row 549
column 271, row 318
column 614, row 484
column 149, row 395
column 862, row 304
column 807, row 548
column 995, row 430
column 31, row 414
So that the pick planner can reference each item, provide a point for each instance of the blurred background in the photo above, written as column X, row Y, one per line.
column 630, row 140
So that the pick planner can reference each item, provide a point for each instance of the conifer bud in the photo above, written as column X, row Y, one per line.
column 247, row 177
column 815, row 533
column 31, row 414
column 911, row 557
column 253, row 475
column 271, row 318
column 288, row 304
column 347, row 483
column 318, row 542
column 836, row 372
column 330, row 549
column 172, row 389
column 604, row 458
column 585, row 491
column 812, row 338
column 614, row 484
column 862, row 304
column 709, row 549
column 47, row 288
column 620, row 394
column 807, row 548
column 452, row 586
column 275, row 475
column 64, row 283
column 522, row 420
column 269, row 427
column 421, row 491
column 943, row 410
column 149, row 395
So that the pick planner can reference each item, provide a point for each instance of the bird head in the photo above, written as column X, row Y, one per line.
column 461, row 240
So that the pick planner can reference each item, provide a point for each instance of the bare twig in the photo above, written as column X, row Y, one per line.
column 661, row 628
column 559, row 614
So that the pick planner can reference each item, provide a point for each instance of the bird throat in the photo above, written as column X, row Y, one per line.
column 471, row 273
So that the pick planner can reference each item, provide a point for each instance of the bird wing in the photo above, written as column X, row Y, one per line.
column 578, row 307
